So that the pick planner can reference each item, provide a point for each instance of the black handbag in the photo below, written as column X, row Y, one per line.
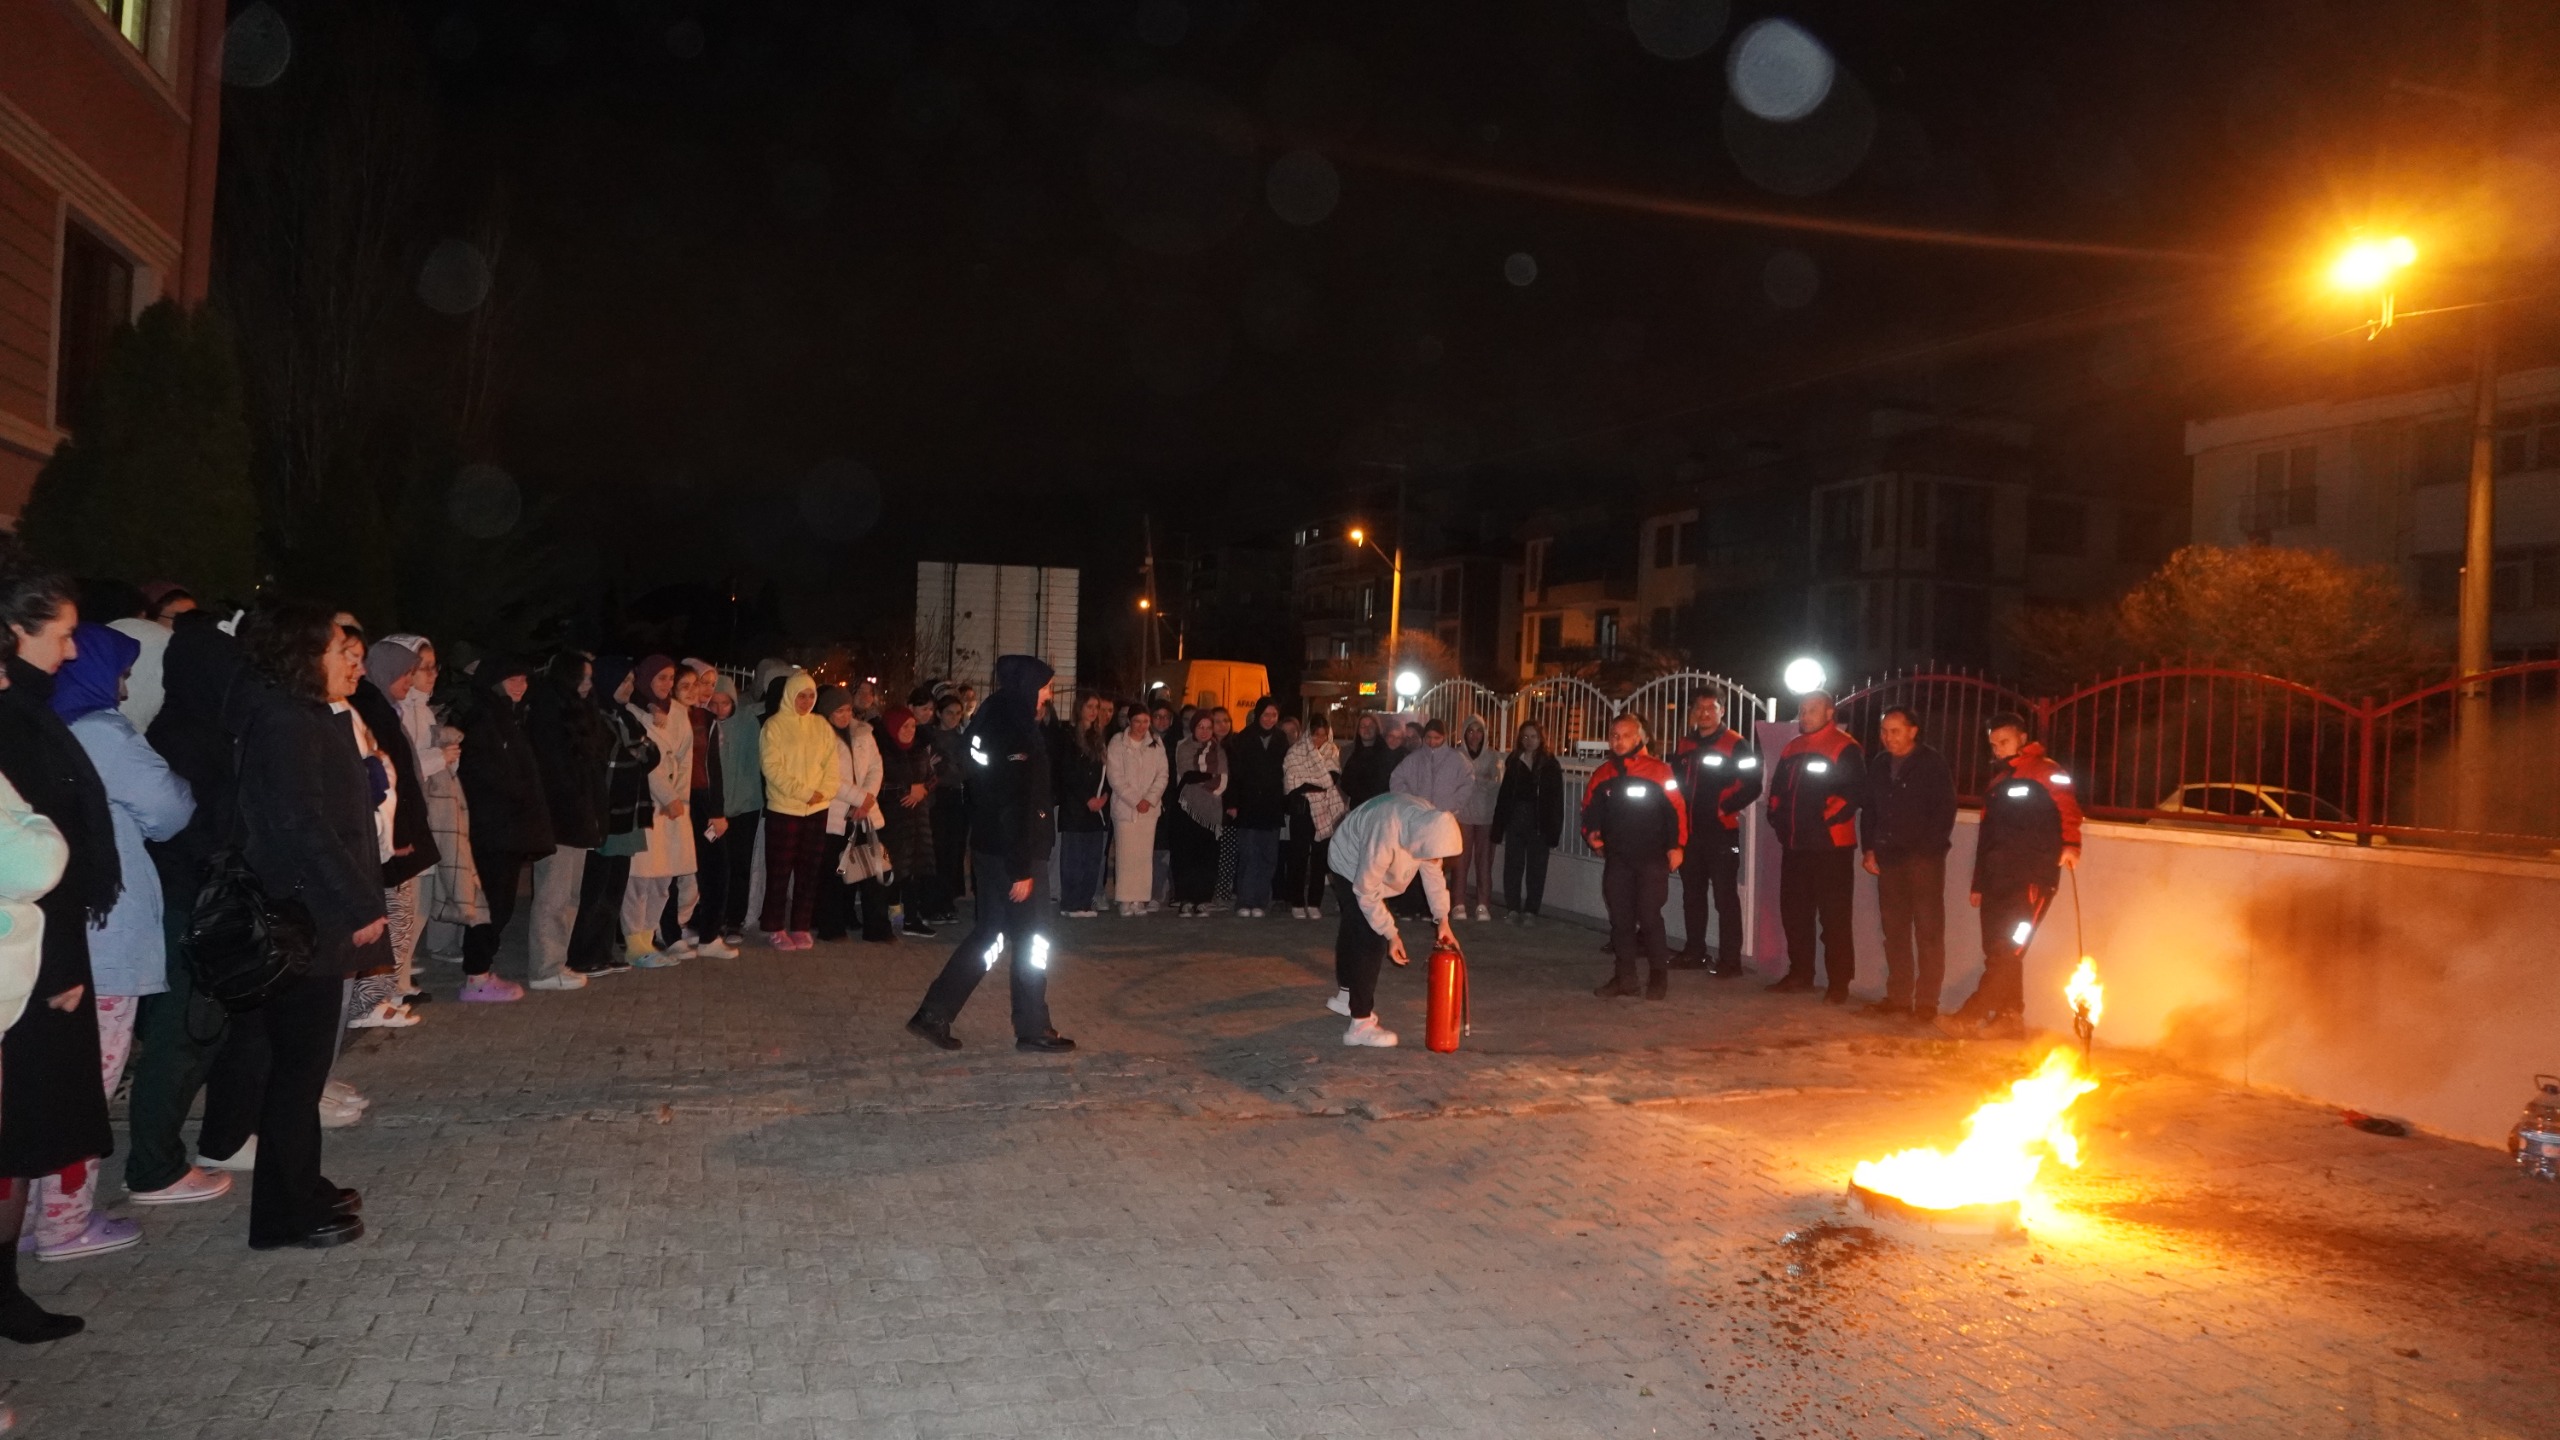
column 242, row 944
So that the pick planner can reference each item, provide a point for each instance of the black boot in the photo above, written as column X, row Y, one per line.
column 936, row 1032
column 22, row 1319
column 1657, row 984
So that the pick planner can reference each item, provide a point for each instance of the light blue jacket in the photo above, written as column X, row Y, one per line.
column 129, row 954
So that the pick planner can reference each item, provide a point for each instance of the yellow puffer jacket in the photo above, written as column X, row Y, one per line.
column 799, row 753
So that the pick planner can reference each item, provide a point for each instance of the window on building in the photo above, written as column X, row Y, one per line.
column 1964, row 528
column 2286, row 490
column 1666, row 539
column 2526, row 580
column 97, row 296
column 1550, row 635
column 2057, row 525
column 2440, row 453
column 2528, row 440
column 1689, row 553
column 132, row 19
column 1604, row 633
column 1964, row 625
column 1341, row 649
column 1839, row 528
column 1533, row 575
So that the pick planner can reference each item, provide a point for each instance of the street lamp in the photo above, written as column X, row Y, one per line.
column 2366, row 267
column 1408, row 685
column 1804, row 675
column 1395, row 603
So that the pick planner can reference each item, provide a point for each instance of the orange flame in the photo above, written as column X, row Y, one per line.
column 2006, row 1141
column 2085, row 993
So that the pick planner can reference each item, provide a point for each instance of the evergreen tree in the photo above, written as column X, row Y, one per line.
column 154, row 483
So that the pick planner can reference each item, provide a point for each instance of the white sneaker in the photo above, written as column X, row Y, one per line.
column 241, row 1161
column 1340, row 1004
column 1367, row 1031
column 565, row 980
column 344, row 1094
column 385, row 1015
column 1484, row 912
column 716, row 948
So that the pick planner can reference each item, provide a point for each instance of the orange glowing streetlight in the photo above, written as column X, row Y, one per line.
column 2369, row 266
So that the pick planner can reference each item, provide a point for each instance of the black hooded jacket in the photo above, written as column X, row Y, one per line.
column 573, row 749
column 1012, row 799
column 1256, row 791
column 197, row 676
column 510, row 815
column 409, row 828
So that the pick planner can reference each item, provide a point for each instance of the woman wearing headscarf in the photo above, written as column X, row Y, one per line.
column 907, row 765
column 1012, row 830
column 1197, row 814
column 1135, row 768
column 1475, row 820
column 391, row 673
column 128, row 955
column 665, row 862
column 853, row 811
column 1311, row 771
column 738, row 734
column 595, row 943
column 570, row 748
column 307, row 818
column 53, row 1114
column 510, row 816
column 800, row 778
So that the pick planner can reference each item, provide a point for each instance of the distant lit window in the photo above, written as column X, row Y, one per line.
column 132, row 19
column 1604, row 633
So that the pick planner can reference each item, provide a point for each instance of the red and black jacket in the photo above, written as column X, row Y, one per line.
column 1634, row 806
column 1722, row 772
column 2029, row 817
column 1814, row 791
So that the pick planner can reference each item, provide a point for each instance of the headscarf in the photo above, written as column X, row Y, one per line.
column 93, row 679
column 388, row 660
column 144, row 690
column 885, row 729
column 644, row 683
column 610, row 671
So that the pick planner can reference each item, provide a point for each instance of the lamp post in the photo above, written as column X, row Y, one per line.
column 1395, row 603
column 2370, row 266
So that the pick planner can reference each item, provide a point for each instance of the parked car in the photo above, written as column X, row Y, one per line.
column 2264, row 803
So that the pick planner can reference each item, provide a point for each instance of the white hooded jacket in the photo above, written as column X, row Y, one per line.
column 1380, row 846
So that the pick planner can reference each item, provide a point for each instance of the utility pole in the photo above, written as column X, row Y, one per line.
column 1149, row 644
column 2472, row 652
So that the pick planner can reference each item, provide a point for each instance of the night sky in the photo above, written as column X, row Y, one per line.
column 1022, row 270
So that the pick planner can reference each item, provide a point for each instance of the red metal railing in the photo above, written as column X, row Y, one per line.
column 2205, row 746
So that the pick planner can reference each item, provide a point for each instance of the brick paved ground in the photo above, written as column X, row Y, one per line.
column 734, row 1200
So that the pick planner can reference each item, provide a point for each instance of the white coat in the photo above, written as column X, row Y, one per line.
column 670, row 848
column 1134, row 772
column 857, row 780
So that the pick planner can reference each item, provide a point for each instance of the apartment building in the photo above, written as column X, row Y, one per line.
column 109, row 117
column 2383, row 480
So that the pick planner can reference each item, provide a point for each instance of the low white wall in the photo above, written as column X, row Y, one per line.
column 2406, row 982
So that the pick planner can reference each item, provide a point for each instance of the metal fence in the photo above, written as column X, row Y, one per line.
column 2183, row 745
column 1575, row 714
column 2194, row 745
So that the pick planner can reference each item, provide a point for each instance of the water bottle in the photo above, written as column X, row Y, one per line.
column 2535, row 1142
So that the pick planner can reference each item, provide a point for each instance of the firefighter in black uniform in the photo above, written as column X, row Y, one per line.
column 1633, row 814
column 1719, row 776
column 2030, row 835
column 1012, row 828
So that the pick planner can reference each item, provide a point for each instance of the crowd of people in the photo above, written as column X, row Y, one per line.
column 157, row 755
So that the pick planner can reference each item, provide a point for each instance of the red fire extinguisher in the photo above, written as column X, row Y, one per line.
column 1448, row 987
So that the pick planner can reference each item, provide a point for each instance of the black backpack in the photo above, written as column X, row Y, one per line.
column 243, row 945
